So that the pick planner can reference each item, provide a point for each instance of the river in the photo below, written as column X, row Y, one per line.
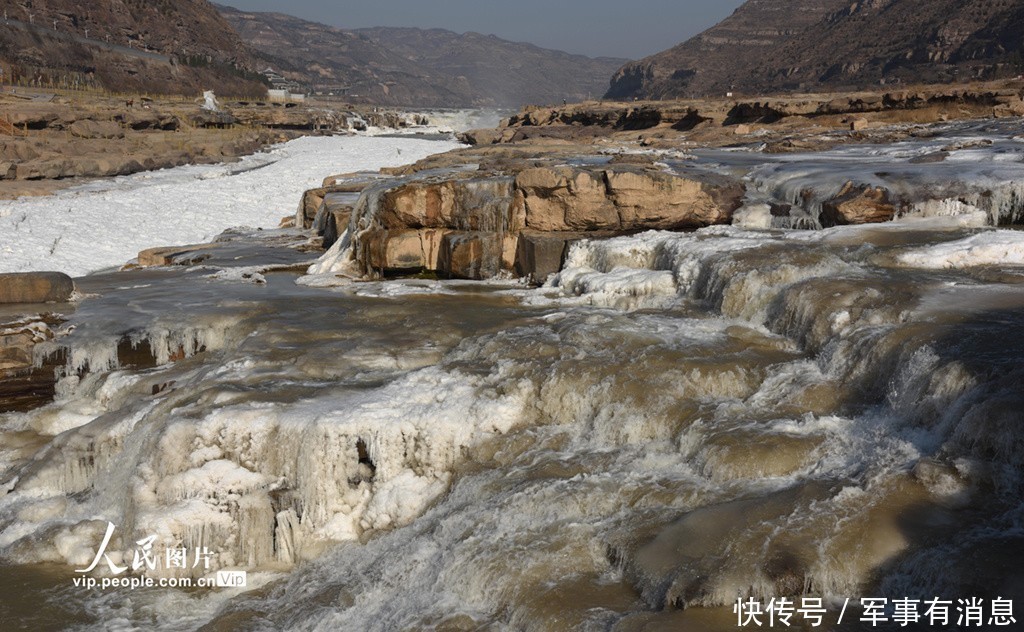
column 674, row 422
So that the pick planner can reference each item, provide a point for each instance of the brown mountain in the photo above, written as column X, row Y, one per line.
column 164, row 46
column 419, row 67
column 788, row 45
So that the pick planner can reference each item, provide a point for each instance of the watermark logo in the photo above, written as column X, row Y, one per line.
column 875, row 612
column 144, row 560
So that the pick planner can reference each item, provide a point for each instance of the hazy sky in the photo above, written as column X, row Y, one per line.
column 617, row 28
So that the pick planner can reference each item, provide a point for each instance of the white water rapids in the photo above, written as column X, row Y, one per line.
column 673, row 422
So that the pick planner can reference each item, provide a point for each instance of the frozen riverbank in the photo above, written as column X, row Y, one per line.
column 107, row 223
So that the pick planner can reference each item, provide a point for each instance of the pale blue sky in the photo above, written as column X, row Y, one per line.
column 616, row 28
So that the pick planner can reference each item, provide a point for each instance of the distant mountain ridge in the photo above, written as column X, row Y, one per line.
column 789, row 45
column 419, row 67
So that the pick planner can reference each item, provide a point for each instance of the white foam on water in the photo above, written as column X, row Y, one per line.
column 446, row 462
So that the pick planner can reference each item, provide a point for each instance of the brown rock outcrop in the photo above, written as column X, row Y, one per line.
column 35, row 287
column 23, row 385
column 622, row 199
column 473, row 227
column 857, row 204
column 96, row 129
column 398, row 251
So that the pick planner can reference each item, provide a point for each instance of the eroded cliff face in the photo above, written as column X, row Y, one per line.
column 715, row 59
column 770, row 45
column 161, row 46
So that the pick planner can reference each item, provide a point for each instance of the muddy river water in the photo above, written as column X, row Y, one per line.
column 674, row 422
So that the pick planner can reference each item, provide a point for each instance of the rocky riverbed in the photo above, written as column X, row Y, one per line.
column 615, row 381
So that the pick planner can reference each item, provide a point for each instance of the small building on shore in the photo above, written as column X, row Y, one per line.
column 284, row 96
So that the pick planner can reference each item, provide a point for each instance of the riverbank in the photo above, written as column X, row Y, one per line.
column 514, row 202
column 50, row 142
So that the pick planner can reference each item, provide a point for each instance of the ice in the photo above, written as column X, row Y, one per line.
column 992, row 248
column 987, row 174
column 106, row 224
column 675, row 420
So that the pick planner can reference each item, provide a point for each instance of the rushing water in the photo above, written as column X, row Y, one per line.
column 673, row 422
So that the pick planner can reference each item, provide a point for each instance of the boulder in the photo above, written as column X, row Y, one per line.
column 480, row 136
column 96, row 129
column 35, row 287
column 858, row 124
column 858, row 204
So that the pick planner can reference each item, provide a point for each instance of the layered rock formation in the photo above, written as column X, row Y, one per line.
column 517, row 220
column 720, row 120
column 417, row 67
column 549, row 177
column 782, row 45
column 23, row 385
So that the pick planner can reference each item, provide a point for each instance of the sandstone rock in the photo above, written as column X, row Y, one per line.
column 484, row 203
column 175, row 255
column 336, row 225
column 858, row 204
column 149, row 119
column 933, row 157
column 480, row 136
column 859, row 124
column 42, row 169
column 23, row 386
column 568, row 199
column 540, row 254
column 310, row 205
column 96, row 129
column 35, row 287
column 1009, row 108
column 742, row 130
column 419, row 205
column 470, row 255
column 563, row 199
column 657, row 200
column 386, row 252
column 213, row 119
column 632, row 159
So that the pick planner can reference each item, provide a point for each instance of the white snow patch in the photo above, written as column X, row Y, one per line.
column 105, row 224
column 1003, row 247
